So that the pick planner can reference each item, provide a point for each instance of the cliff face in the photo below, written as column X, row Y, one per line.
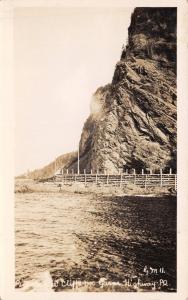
column 61, row 162
column 133, row 119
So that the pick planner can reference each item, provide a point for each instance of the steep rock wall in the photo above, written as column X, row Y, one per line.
column 133, row 119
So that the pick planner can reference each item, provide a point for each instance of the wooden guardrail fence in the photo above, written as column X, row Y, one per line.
column 144, row 180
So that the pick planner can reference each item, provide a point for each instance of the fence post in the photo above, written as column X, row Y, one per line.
column 67, row 171
column 91, row 171
column 85, row 176
column 145, row 185
column 107, row 179
column 170, row 171
column 65, row 179
column 142, row 171
column 134, row 176
column 150, row 170
column 121, row 180
column 161, row 173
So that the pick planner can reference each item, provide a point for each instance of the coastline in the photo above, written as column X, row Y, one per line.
column 31, row 186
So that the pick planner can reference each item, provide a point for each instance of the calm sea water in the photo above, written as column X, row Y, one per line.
column 129, row 240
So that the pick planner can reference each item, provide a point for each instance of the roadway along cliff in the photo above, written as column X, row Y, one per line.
column 133, row 119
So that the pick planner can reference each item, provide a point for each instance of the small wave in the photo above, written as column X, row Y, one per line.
column 21, row 244
column 33, row 234
column 41, row 283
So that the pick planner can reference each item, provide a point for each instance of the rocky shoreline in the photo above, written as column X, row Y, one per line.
column 31, row 186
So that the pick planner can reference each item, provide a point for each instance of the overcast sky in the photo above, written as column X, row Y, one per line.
column 61, row 55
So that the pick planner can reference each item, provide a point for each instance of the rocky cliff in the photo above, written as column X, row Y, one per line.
column 133, row 119
column 61, row 162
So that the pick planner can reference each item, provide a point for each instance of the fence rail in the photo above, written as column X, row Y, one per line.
column 144, row 180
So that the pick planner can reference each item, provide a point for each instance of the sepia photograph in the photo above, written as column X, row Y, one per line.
column 93, row 154
column 95, row 149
